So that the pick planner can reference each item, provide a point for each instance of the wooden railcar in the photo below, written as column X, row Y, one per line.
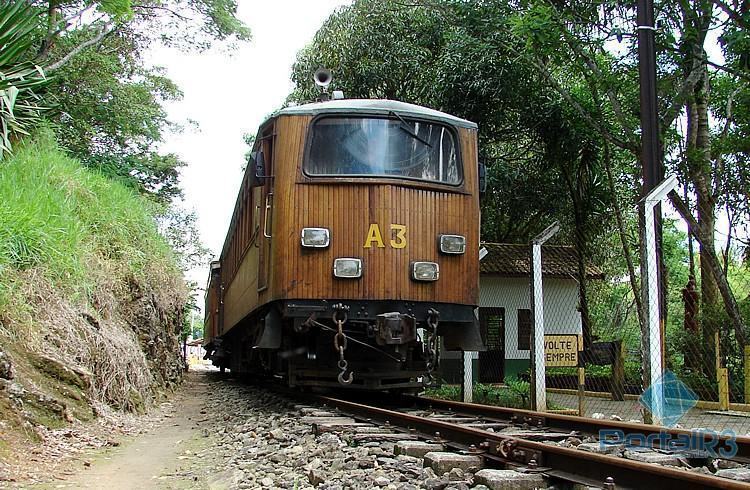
column 356, row 226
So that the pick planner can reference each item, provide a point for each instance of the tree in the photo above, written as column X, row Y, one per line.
column 462, row 57
column 107, row 104
column 583, row 36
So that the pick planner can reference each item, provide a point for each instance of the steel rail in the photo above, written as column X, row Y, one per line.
column 562, row 461
column 582, row 424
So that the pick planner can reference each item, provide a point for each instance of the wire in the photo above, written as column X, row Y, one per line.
column 326, row 327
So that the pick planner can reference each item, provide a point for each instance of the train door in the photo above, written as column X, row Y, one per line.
column 266, row 217
column 492, row 362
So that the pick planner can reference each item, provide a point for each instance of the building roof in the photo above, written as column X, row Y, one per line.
column 374, row 106
column 507, row 259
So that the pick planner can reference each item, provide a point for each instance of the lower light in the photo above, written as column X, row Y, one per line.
column 347, row 267
column 425, row 271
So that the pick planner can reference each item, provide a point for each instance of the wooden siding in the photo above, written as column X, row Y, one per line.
column 348, row 209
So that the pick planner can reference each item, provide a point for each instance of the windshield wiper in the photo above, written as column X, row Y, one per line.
column 409, row 130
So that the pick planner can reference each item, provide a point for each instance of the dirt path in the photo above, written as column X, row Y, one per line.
column 158, row 458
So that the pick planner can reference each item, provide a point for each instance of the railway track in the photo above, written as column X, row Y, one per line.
column 535, row 450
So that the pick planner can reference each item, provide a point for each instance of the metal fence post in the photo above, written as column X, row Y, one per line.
column 539, row 373
column 468, row 381
column 652, row 338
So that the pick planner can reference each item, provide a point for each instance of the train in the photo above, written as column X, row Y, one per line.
column 352, row 256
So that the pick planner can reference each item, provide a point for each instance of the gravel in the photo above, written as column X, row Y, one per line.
column 257, row 440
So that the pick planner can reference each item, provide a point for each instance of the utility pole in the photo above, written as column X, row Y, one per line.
column 653, row 171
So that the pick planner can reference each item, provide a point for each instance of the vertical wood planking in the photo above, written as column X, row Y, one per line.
column 348, row 209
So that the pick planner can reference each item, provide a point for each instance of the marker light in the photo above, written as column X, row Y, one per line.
column 424, row 271
column 347, row 267
column 315, row 237
column 452, row 244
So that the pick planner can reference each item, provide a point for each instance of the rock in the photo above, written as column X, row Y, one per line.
column 739, row 474
column 443, row 462
column 571, row 442
column 509, row 480
column 316, row 477
column 456, row 474
column 277, row 434
column 382, row 481
column 416, row 449
column 726, row 464
column 598, row 416
column 267, row 482
column 457, row 486
column 435, row 484
column 600, row 447
column 654, row 457
column 7, row 371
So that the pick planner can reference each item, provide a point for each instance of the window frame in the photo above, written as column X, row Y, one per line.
column 379, row 178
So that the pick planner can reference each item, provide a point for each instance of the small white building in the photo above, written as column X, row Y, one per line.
column 505, row 311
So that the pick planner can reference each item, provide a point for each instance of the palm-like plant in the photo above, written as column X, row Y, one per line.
column 20, row 77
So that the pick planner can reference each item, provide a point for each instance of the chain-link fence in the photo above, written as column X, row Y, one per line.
column 622, row 338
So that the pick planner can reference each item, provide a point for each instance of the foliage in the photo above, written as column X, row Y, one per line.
column 20, row 79
column 485, row 394
column 461, row 58
column 514, row 394
column 109, row 114
column 61, row 218
column 108, row 104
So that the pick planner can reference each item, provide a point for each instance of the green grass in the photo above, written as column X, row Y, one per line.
column 514, row 394
column 63, row 219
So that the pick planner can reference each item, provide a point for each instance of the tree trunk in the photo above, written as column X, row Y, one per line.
column 53, row 17
column 699, row 169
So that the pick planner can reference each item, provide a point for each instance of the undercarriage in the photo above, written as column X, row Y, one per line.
column 366, row 345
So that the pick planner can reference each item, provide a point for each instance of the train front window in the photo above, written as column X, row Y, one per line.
column 370, row 147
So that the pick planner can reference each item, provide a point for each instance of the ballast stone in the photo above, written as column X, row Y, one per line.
column 654, row 457
column 416, row 449
column 739, row 474
column 599, row 448
column 442, row 462
column 509, row 480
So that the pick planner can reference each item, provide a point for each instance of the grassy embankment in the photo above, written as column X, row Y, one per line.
column 91, row 297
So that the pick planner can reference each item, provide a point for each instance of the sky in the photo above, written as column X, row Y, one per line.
column 229, row 94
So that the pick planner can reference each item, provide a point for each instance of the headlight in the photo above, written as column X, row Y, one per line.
column 424, row 271
column 452, row 244
column 347, row 268
column 315, row 237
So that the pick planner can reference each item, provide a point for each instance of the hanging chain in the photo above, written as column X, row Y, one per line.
column 431, row 343
column 340, row 343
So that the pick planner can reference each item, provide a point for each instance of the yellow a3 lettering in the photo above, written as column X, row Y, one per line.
column 374, row 235
column 399, row 240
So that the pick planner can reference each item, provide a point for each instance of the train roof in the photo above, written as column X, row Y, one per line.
column 374, row 106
